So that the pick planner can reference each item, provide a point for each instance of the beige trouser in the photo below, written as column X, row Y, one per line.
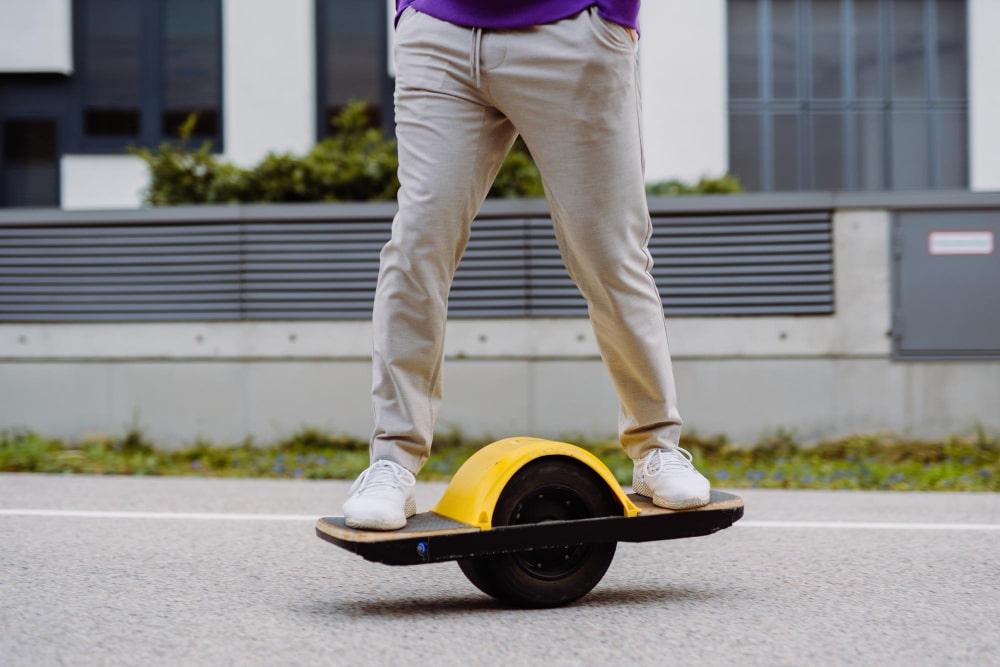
column 570, row 88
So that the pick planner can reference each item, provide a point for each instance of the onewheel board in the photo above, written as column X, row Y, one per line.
column 532, row 523
column 430, row 538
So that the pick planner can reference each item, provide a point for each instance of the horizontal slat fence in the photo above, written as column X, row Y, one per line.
column 325, row 267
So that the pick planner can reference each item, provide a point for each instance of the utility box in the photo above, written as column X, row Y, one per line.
column 946, row 284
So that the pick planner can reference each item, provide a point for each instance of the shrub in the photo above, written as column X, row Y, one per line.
column 355, row 163
column 518, row 177
column 723, row 185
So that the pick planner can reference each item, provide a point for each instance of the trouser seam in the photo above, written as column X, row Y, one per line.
column 649, row 220
column 439, row 353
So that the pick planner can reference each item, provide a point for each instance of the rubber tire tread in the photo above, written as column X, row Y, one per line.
column 502, row 578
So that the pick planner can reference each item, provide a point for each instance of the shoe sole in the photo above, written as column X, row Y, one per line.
column 409, row 510
column 686, row 505
column 643, row 490
column 361, row 525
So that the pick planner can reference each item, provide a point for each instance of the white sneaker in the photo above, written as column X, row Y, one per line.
column 667, row 476
column 381, row 498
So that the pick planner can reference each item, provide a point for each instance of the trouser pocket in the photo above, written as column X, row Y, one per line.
column 612, row 35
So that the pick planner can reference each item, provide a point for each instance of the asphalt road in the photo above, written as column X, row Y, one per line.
column 913, row 579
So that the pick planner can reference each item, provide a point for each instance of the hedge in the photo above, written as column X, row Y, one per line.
column 357, row 162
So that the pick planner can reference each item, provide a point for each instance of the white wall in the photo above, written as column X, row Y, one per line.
column 682, row 61
column 270, row 77
column 390, row 37
column 744, row 398
column 36, row 36
column 102, row 181
column 984, row 95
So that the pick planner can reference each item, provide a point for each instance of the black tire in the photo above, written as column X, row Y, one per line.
column 551, row 488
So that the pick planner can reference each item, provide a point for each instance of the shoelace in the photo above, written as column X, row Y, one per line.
column 382, row 474
column 475, row 54
column 665, row 459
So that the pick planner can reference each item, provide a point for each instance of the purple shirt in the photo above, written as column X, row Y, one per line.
column 502, row 14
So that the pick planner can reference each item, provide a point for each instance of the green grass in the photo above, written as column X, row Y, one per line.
column 867, row 461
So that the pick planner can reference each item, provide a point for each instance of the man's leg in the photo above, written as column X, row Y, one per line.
column 451, row 145
column 571, row 89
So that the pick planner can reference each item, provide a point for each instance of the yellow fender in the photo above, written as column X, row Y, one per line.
column 476, row 487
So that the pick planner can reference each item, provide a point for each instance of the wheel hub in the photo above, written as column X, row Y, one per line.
column 551, row 504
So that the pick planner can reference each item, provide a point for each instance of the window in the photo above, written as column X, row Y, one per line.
column 352, row 59
column 28, row 165
column 112, row 96
column 144, row 67
column 848, row 94
column 192, row 81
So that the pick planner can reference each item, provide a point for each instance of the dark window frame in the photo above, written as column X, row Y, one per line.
column 151, row 52
column 27, row 97
column 386, row 83
column 44, row 115
column 848, row 106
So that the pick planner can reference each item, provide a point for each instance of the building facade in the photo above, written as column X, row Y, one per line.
column 786, row 94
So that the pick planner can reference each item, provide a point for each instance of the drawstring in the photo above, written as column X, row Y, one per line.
column 474, row 54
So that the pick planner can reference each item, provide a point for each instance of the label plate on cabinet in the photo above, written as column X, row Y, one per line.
column 961, row 242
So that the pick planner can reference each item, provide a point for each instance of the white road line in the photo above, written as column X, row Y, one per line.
column 223, row 516
column 196, row 516
column 868, row 525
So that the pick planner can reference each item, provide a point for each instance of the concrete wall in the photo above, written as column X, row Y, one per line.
column 744, row 376
column 101, row 181
column 744, row 397
column 984, row 95
column 683, row 78
column 269, row 59
column 390, row 37
column 36, row 36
